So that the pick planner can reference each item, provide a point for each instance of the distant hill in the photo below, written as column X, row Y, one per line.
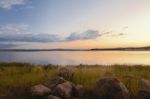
column 146, row 48
column 44, row 49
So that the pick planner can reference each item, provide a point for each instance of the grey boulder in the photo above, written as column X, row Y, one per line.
column 79, row 90
column 53, row 97
column 40, row 90
column 110, row 88
column 144, row 91
column 64, row 90
column 53, row 82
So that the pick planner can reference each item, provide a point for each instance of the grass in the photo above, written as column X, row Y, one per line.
column 17, row 78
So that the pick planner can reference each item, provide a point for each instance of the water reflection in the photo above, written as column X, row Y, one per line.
column 78, row 57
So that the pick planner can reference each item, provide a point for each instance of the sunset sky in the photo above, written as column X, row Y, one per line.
column 74, row 23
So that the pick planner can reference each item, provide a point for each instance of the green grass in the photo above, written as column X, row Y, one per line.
column 17, row 78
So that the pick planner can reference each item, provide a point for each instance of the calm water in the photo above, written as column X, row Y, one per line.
column 78, row 57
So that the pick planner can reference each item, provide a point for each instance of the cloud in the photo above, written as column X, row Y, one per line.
column 89, row 34
column 19, row 33
column 112, row 34
column 8, row 4
column 118, row 34
column 13, row 28
column 39, row 37
column 4, row 46
column 107, row 33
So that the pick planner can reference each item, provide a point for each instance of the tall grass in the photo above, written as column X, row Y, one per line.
column 17, row 78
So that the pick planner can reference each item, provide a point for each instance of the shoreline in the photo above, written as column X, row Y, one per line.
column 75, row 65
column 73, row 50
column 145, row 48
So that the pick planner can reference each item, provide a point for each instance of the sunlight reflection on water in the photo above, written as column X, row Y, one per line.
column 78, row 57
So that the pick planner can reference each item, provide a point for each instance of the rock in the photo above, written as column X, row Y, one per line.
column 53, row 97
column 40, row 90
column 145, row 85
column 110, row 88
column 53, row 82
column 66, row 73
column 64, row 90
column 78, row 98
column 80, row 91
column 144, row 91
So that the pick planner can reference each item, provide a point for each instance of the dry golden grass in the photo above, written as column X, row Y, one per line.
column 17, row 78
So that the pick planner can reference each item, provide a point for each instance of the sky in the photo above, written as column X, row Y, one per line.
column 46, row 24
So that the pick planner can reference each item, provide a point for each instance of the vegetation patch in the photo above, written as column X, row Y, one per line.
column 17, row 78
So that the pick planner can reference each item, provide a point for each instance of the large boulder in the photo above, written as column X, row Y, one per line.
column 64, row 90
column 79, row 90
column 53, row 82
column 40, row 90
column 53, row 97
column 144, row 91
column 66, row 73
column 110, row 88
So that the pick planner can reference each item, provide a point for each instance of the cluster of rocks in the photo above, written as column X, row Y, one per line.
column 58, row 88
column 105, row 88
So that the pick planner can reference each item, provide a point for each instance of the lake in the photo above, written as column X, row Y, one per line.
column 78, row 57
